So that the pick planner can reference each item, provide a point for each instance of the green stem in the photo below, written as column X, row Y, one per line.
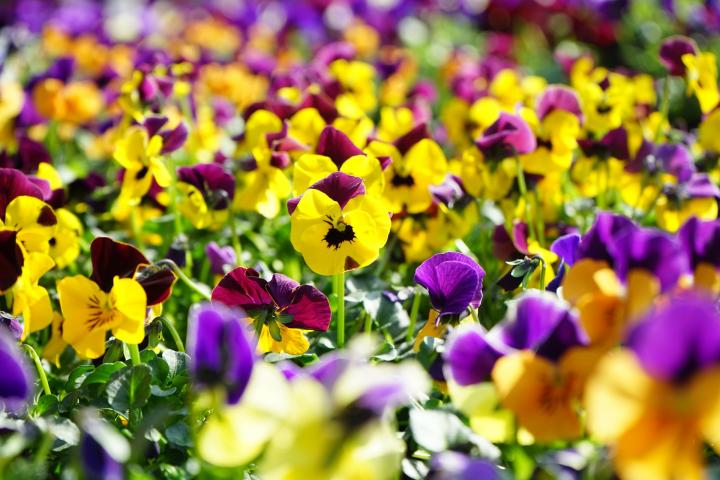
column 414, row 309
column 368, row 323
column 474, row 315
column 339, row 285
column 172, row 191
column 182, row 276
column 539, row 219
column 136, row 227
column 235, row 238
column 386, row 255
column 664, row 108
column 173, row 333
column 524, row 195
column 543, row 268
column 38, row 366
column 134, row 353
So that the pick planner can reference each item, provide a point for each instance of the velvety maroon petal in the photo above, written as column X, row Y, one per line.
column 310, row 309
column 154, row 124
column 11, row 259
column 672, row 50
column 174, row 139
column 209, row 178
column 335, row 144
column 111, row 259
column 243, row 287
column 405, row 142
column 157, row 283
column 14, row 183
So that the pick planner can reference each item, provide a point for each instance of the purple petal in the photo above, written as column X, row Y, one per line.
column 281, row 289
column 652, row 251
column 11, row 259
column 453, row 281
column 341, row 187
column 210, row 178
column 220, row 257
column 679, row 338
column 566, row 247
column 700, row 186
column 672, row 50
column 14, row 183
column 541, row 322
column 405, row 142
column 174, row 139
column 335, row 144
column 15, row 381
column 469, row 356
column 154, row 124
column 509, row 135
column 557, row 97
column 701, row 241
column 676, row 160
column 596, row 242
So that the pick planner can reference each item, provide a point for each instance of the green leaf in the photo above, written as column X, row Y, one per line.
column 274, row 331
column 47, row 405
column 179, row 434
column 77, row 376
column 66, row 433
column 177, row 364
column 103, row 373
column 129, row 388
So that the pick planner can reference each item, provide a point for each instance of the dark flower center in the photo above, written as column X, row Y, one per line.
column 603, row 109
column 403, row 180
column 339, row 232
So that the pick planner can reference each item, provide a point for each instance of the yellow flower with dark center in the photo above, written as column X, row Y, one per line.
column 140, row 155
column 702, row 79
column 90, row 312
column 336, row 226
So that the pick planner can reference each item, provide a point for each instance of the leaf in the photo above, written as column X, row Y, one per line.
column 103, row 373
column 275, row 331
column 177, row 363
column 159, row 392
column 77, row 376
column 66, row 433
column 179, row 434
column 129, row 388
column 47, row 405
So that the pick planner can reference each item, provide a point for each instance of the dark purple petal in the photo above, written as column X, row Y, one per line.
column 448, row 192
column 157, row 283
column 539, row 321
column 281, row 289
column 701, row 241
column 212, row 180
column 328, row 369
column 566, row 247
column 616, row 143
column 174, row 139
column 15, row 381
column 672, row 50
column 96, row 461
column 453, row 281
column 341, row 187
column 520, row 234
column 509, row 135
column 450, row 465
column 11, row 259
column 292, row 204
column 14, row 183
column 468, row 355
column 650, row 250
column 12, row 325
column 32, row 154
column 154, row 124
column 335, row 144
column 679, row 338
column 310, row 309
column 405, row 142
column 557, row 97
column 596, row 242
column 243, row 287
column 220, row 257
column 112, row 259
column 676, row 160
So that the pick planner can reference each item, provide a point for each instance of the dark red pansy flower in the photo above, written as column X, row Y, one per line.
column 14, row 183
column 307, row 307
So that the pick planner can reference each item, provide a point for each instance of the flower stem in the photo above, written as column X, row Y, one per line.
column 524, row 194
column 235, row 239
column 414, row 309
column 172, row 191
column 339, row 285
column 38, row 366
column 543, row 268
column 182, row 276
column 174, row 334
column 134, row 353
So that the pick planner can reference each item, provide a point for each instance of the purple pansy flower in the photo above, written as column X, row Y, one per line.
column 295, row 305
column 102, row 450
column 508, row 136
column 219, row 348
column 596, row 242
column 452, row 465
column 15, row 381
column 537, row 321
column 454, row 283
column 679, row 338
column 701, row 241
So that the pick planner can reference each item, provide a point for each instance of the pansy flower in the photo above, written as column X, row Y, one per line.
column 122, row 286
column 279, row 310
column 17, row 384
column 140, row 154
column 702, row 78
column 76, row 102
column 336, row 226
column 655, row 401
column 207, row 192
column 509, row 136
column 536, row 360
column 701, row 242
